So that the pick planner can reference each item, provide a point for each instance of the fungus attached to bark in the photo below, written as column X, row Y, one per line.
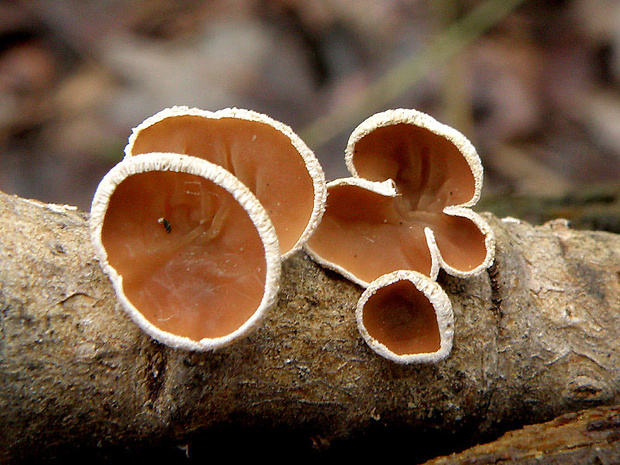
column 407, row 318
column 407, row 204
column 191, row 253
column 264, row 154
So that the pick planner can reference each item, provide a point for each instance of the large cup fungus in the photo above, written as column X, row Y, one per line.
column 407, row 204
column 192, row 225
column 191, row 252
column 264, row 154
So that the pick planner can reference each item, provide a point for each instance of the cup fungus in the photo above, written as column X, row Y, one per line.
column 191, row 253
column 406, row 205
column 264, row 154
column 407, row 318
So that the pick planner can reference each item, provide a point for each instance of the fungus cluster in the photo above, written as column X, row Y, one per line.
column 405, row 207
column 192, row 225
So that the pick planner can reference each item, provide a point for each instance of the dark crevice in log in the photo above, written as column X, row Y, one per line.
column 155, row 369
column 496, row 299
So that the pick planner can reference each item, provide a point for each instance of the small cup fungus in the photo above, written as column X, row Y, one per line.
column 406, row 205
column 407, row 318
column 264, row 154
column 191, row 253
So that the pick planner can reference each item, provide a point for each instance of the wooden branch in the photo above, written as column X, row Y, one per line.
column 536, row 337
column 591, row 436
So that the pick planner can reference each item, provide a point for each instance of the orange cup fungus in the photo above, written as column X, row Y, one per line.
column 405, row 207
column 192, row 225
column 407, row 204
column 264, row 154
column 406, row 318
column 191, row 253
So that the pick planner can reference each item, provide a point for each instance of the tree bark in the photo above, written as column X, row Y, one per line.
column 589, row 437
column 535, row 337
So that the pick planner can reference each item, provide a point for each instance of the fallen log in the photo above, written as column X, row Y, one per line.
column 535, row 337
column 591, row 436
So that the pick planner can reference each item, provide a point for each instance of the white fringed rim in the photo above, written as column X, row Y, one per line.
column 219, row 176
column 489, row 242
column 311, row 162
column 422, row 120
column 438, row 299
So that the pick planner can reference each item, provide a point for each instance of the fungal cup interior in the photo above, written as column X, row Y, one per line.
column 381, row 242
column 402, row 318
column 428, row 169
column 430, row 173
column 261, row 156
column 189, row 255
column 370, row 233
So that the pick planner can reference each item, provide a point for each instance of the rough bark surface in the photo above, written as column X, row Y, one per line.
column 536, row 337
column 590, row 437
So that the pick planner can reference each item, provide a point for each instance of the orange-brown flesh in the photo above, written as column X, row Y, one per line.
column 368, row 234
column 364, row 233
column 191, row 259
column 403, row 319
column 460, row 241
column 260, row 156
column 429, row 171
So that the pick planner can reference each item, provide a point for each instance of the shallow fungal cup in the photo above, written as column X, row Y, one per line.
column 264, row 154
column 406, row 318
column 192, row 254
column 407, row 204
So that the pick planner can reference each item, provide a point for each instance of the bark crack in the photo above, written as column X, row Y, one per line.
column 155, row 370
column 496, row 299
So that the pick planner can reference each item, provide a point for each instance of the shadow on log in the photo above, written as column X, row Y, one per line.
column 536, row 337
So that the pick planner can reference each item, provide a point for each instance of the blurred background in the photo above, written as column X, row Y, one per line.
column 533, row 83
